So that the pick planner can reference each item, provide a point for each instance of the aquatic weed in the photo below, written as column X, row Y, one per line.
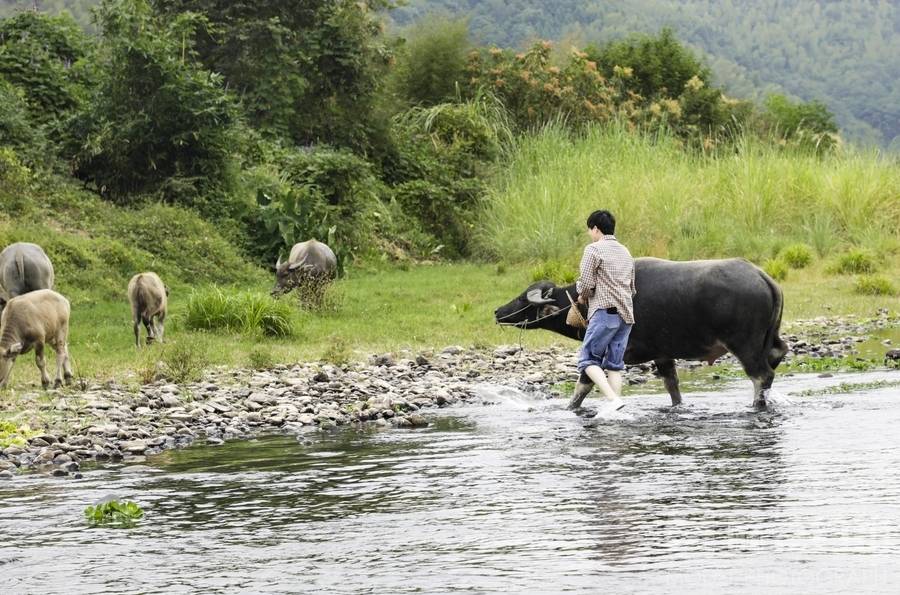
column 113, row 512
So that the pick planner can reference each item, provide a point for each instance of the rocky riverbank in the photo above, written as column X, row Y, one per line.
column 111, row 422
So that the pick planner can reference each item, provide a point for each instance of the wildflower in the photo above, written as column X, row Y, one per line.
column 623, row 71
column 695, row 84
column 553, row 70
column 546, row 45
column 672, row 106
column 495, row 51
column 499, row 83
column 520, row 56
column 590, row 65
column 655, row 109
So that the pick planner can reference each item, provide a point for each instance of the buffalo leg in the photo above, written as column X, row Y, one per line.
column 160, row 326
column 62, row 360
column 666, row 369
column 151, row 333
column 582, row 389
column 137, row 332
column 42, row 365
column 760, row 372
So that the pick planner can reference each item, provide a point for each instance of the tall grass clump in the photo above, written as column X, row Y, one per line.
column 776, row 268
column 854, row 261
column 671, row 202
column 874, row 285
column 796, row 256
column 242, row 312
column 554, row 270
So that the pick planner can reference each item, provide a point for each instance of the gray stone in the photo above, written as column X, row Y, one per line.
column 6, row 475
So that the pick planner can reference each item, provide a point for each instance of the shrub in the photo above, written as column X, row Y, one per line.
column 776, row 268
column 853, row 262
column 554, row 270
column 260, row 358
column 184, row 362
column 325, row 194
column 245, row 312
column 874, row 285
column 796, row 256
column 433, row 62
column 158, row 122
column 338, row 352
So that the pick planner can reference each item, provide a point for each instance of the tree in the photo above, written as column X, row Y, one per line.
column 432, row 63
column 157, row 122
column 307, row 70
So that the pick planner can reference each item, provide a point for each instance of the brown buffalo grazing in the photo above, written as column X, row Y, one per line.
column 31, row 321
column 148, row 297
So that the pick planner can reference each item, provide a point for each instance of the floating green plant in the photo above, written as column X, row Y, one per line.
column 113, row 512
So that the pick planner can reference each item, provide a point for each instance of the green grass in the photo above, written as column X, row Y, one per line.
column 854, row 261
column 381, row 310
column 215, row 309
column 670, row 203
column 796, row 256
column 874, row 285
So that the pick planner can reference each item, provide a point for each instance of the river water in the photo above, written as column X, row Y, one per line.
column 515, row 496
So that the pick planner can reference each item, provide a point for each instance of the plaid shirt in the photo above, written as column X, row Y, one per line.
column 607, row 268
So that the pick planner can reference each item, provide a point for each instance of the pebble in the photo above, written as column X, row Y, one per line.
column 388, row 390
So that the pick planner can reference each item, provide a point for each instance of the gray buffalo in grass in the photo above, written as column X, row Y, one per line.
column 311, row 265
column 24, row 267
column 31, row 321
column 696, row 310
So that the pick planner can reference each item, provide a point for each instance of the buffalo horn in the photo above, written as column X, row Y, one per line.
column 278, row 263
column 534, row 297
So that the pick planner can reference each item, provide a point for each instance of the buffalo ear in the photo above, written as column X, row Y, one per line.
column 14, row 349
column 166, row 287
column 549, row 310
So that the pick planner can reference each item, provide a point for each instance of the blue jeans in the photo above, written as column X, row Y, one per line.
column 604, row 342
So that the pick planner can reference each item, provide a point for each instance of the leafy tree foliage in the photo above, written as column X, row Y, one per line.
column 843, row 53
column 809, row 125
column 306, row 70
column 157, row 121
column 432, row 63
column 39, row 55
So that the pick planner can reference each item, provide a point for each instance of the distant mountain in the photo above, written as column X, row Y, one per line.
column 845, row 53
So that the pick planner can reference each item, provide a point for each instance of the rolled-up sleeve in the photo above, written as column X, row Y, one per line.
column 588, row 271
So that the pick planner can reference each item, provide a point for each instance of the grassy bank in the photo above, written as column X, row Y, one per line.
column 673, row 204
column 374, row 311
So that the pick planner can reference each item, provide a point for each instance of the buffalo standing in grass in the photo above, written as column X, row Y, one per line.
column 149, row 298
column 696, row 310
column 31, row 321
column 24, row 267
column 310, row 266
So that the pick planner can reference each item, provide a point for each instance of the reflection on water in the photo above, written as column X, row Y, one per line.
column 515, row 496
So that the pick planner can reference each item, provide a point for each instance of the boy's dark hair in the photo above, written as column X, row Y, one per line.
column 603, row 220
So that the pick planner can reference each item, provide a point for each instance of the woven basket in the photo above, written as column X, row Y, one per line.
column 573, row 316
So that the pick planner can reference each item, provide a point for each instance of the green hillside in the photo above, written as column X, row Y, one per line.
column 846, row 54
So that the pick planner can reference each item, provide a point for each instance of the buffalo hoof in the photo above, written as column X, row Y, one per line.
column 585, row 412
column 760, row 405
column 46, row 385
column 68, row 379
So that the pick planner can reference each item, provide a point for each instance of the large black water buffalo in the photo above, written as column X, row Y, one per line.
column 696, row 310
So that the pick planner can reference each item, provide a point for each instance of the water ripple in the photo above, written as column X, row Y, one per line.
column 517, row 496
